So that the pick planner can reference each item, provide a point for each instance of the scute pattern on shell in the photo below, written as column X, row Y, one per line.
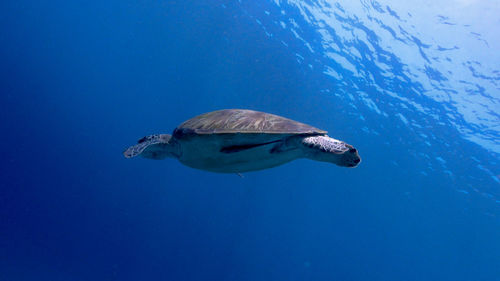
column 246, row 121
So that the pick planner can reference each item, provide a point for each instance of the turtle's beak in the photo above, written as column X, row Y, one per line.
column 351, row 157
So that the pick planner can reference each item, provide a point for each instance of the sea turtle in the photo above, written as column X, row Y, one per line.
column 240, row 140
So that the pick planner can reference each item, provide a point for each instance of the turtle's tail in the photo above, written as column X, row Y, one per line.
column 152, row 146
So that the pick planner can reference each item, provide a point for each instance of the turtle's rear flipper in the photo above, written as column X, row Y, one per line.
column 152, row 147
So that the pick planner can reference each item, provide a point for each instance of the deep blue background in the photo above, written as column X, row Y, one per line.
column 80, row 81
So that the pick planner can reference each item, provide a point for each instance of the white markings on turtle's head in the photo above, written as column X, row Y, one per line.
column 326, row 149
column 156, row 147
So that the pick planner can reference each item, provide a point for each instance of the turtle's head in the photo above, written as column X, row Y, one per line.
column 326, row 149
column 155, row 147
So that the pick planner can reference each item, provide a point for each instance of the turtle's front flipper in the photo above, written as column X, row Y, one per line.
column 152, row 147
column 238, row 148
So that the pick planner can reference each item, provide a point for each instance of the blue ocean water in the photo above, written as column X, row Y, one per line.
column 413, row 86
